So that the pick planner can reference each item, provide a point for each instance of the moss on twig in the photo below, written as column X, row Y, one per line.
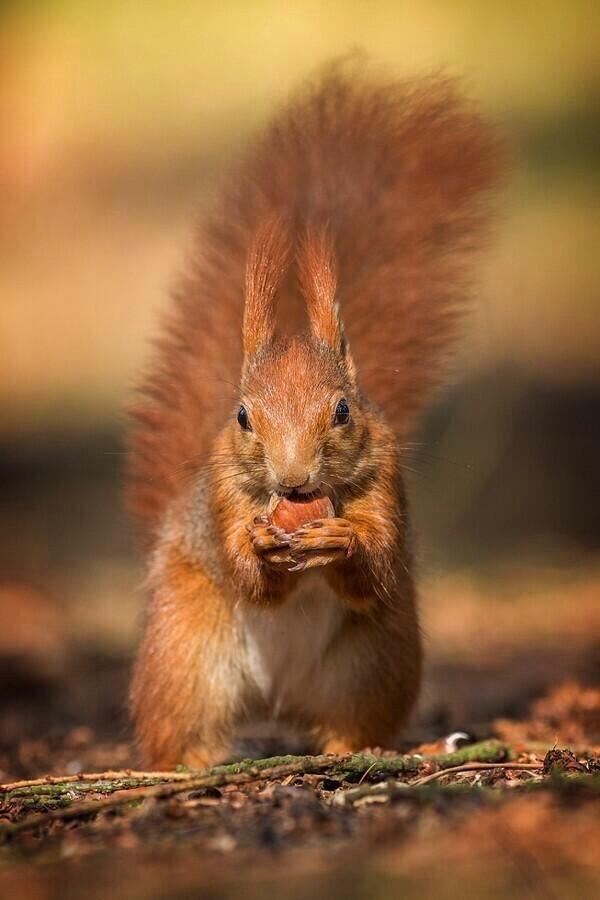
column 61, row 799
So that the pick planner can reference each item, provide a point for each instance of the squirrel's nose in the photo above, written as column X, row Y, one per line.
column 293, row 480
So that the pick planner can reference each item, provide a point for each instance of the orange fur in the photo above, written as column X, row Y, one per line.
column 363, row 198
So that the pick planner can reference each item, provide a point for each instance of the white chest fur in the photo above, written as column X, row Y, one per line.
column 286, row 648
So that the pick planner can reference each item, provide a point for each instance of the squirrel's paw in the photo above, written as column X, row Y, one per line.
column 270, row 543
column 321, row 542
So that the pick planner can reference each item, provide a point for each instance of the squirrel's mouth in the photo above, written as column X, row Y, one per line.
column 298, row 496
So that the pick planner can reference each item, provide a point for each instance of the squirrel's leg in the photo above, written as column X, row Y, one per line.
column 378, row 655
column 187, row 689
column 258, row 557
column 371, row 680
column 374, row 667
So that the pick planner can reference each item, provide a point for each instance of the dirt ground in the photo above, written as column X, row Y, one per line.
column 515, row 661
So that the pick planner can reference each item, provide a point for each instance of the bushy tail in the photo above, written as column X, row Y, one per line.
column 398, row 173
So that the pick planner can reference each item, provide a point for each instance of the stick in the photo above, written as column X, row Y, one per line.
column 92, row 776
column 387, row 790
column 476, row 767
column 123, row 797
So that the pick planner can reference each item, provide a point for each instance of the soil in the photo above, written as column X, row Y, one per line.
column 493, row 832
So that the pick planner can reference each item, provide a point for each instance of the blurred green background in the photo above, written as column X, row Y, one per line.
column 116, row 120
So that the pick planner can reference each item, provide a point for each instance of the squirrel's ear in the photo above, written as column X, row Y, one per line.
column 265, row 268
column 318, row 283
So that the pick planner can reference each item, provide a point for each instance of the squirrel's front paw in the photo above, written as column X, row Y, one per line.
column 270, row 543
column 321, row 542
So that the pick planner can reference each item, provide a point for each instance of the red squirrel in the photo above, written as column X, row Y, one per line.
column 360, row 204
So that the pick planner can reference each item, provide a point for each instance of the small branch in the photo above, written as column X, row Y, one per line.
column 477, row 767
column 124, row 797
column 382, row 790
column 48, row 792
column 385, row 791
column 56, row 786
column 365, row 774
column 419, row 790
column 352, row 767
column 17, row 786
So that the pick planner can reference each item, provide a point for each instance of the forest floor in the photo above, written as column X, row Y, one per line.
column 512, row 810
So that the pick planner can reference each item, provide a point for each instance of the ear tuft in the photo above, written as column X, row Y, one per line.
column 265, row 269
column 318, row 282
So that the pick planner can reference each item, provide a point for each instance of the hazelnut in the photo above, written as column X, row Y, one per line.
column 290, row 513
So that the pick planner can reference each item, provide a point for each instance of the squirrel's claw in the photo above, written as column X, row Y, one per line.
column 259, row 520
column 325, row 534
column 322, row 542
column 317, row 558
column 278, row 534
column 269, row 542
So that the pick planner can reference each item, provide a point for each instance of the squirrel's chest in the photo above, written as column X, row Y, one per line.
column 286, row 649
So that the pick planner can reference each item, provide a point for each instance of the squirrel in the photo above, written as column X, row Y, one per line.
column 359, row 209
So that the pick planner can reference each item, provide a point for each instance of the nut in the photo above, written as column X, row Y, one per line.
column 290, row 513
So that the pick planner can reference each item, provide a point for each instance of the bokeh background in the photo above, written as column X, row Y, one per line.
column 116, row 120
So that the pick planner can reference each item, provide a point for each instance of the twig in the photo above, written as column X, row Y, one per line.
column 365, row 774
column 380, row 790
column 476, row 767
column 45, row 792
column 124, row 797
column 93, row 776
column 353, row 767
column 405, row 790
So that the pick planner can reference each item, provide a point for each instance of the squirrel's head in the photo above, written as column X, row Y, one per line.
column 300, row 425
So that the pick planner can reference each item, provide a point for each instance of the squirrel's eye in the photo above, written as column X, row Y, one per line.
column 243, row 420
column 342, row 414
